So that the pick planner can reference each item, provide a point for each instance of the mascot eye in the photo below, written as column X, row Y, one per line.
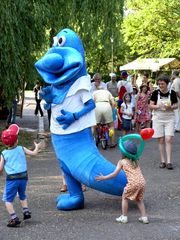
column 61, row 41
column 55, row 41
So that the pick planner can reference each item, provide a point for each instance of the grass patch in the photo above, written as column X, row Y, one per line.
column 25, row 139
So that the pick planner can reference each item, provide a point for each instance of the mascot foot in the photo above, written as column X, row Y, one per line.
column 66, row 202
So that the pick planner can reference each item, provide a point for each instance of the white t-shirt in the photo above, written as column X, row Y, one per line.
column 78, row 94
column 127, row 109
column 126, row 84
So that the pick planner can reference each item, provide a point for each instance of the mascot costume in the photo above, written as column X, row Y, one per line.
column 68, row 95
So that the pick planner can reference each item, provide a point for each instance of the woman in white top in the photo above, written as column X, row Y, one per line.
column 163, row 102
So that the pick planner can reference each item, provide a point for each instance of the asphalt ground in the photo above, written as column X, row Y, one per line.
column 97, row 220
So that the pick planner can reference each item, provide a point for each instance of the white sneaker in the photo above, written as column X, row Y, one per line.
column 122, row 219
column 144, row 220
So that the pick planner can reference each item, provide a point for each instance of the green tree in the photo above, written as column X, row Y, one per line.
column 96, row 22
column 152, row 28
column 28, row 27
column 21, row 37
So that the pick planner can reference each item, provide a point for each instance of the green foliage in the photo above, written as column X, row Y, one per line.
column 152, row 28
column 28, row 27
column 95, row 22
column 21, row 37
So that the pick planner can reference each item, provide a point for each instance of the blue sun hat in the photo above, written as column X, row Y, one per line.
column 129, row 147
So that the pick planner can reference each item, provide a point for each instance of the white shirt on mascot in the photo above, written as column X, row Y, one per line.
column 78, row 94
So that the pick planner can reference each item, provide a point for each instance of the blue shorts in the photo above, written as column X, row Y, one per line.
column 126, row 124
column 13, row 187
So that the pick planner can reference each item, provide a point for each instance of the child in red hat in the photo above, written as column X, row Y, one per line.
column 13, row 161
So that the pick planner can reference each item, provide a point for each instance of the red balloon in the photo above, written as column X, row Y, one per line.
column 146, row 133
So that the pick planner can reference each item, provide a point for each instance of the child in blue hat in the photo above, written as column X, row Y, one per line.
column 135, row 187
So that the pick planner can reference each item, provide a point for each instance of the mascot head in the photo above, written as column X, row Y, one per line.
column 65, row 61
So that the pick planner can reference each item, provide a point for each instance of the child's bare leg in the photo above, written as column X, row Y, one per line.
column 124, row 206
column 24, row 203
column 25, row 209
column 141, row 208
column 14, row 220
column 10, row 208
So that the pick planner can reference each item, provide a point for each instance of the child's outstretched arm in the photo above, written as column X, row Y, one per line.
column 35, row 151
column 111, row 175
column 1, row 164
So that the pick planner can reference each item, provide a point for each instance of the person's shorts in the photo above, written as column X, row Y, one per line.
column 12, row 187
column 162, row 129
column 103, row 112
column 126, row 124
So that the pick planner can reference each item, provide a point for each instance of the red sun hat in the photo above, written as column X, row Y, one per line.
column 10, row 135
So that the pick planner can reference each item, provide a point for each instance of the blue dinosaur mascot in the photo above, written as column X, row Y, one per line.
column 68, row 95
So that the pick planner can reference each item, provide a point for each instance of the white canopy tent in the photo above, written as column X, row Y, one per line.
column 152, row 64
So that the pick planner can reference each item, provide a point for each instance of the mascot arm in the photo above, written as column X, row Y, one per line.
column 46, row 94
column 88, row 106
column 67, row 118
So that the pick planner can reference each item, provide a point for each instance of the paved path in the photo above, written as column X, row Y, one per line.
column 97, row 220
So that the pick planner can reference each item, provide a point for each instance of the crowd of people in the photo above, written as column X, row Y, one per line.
column 136, row 106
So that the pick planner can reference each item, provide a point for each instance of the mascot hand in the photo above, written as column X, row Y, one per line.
column 65, row 119
column 46, row 94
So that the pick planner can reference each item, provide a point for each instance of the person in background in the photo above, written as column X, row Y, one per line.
column 133, row 81
column 112, row 85
column 97, row 82
column 127, row 113
column 115, row 114
column 163, row 103
column 13, row 161
column 142, row 112
column 145, row 80
column 12, row 112
column 133, row 101
column 38, row 99
column 176, row 87
column 135, row 187
column 104, row 104
column 123, row 86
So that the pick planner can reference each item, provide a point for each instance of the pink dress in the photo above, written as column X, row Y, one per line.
column 143, row 114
